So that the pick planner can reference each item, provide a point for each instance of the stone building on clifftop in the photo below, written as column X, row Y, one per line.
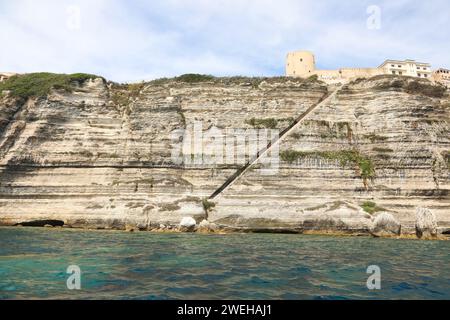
column 443, row 76
column 303, row 64
column 409, row 68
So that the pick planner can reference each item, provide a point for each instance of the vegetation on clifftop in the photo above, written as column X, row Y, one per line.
column 186, row 78
column 193, row 78
column 123, row 95
column 413, row 86
column 39, row 84
column 253, row 82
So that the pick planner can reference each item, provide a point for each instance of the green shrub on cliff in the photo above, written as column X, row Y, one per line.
column 345, row 158
column 193, row 78
column 383, row 150
column 429, row 90
column 208, row 205
column 124, row 94
column 251, row 82
column 39, row 84
column 269, row 123
column 414, row 87
column 291, row 156
column 186, row 78
column 374, row 137
column 446, row 155
column 371, row 207
column 313, row 78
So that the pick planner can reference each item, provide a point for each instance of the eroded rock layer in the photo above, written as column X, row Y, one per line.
column 101, row 156
column 374, row 147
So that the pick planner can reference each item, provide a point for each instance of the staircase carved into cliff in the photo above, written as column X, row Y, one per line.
column 284, row 133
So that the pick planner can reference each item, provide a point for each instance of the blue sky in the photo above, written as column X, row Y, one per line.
column 134, row 40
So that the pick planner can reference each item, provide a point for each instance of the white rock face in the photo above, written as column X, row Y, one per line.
column 100, row 156
column 385, row 224
column 426, row 225
column 206, row 226
column 187, row 224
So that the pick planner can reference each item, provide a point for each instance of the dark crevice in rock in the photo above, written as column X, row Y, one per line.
column 41, row 223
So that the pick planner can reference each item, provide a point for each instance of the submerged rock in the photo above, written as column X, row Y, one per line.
column 426, row 225
column 188, row 224
column 385, row 225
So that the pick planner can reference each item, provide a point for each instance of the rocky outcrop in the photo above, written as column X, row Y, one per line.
column 100, row 155
column 426, row 225
column 375, row 141
column 385, row 225
column 187, row 224
column 206, row 227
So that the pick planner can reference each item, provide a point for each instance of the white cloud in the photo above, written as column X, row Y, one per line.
column 134, row 40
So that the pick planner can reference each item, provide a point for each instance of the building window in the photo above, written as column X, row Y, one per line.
column 425, row 75
column 400, row 73
column 393, row 72
column 392, row 66
column 419, row 75
column 399, row 66
column 301, row 59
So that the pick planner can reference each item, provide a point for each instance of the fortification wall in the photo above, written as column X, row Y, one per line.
column 347, row 74
column 300, row 64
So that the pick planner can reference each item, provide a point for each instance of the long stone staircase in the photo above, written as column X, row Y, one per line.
column 261, row 153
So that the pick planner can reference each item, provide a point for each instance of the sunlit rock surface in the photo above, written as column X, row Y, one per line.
column 101, row 156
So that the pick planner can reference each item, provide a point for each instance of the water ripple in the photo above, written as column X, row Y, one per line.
column 119, row 265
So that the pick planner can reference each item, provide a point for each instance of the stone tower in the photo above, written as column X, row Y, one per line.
column 300, row 64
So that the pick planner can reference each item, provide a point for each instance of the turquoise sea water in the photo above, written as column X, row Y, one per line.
column 119, row 265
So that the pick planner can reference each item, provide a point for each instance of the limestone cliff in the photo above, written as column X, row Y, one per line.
column 99, row 155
